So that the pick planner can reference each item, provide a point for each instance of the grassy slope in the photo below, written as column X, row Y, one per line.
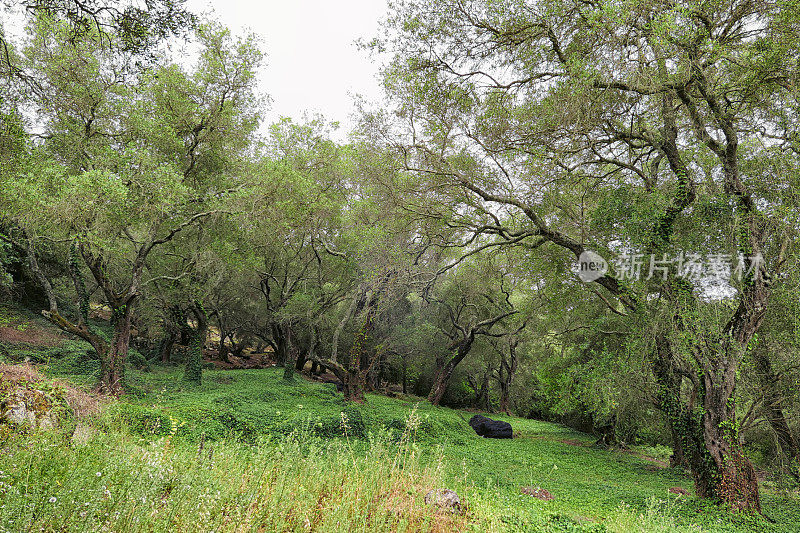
column 589, row 484
column 619, row 491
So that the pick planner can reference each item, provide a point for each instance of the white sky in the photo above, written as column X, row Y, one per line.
column 312, row 63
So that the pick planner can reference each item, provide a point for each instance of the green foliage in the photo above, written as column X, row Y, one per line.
column 179, row 446
column 69, row 357
column 140, row 420
column 194, row 361
column 7, row 257
column 138, row 361
column 138, row 30
column 9, row 317
column 258, row 403
column 79, row 362
column 111, row 480
column 615, row 132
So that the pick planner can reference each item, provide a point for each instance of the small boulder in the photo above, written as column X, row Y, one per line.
column 444, row 499
column 23, row 406
column 537, row 492
column 491, row 429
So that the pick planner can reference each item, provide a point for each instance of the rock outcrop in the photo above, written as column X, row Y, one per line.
column 30, row 401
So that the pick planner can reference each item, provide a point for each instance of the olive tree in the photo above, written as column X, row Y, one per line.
column 648, row 127
column 129, row 162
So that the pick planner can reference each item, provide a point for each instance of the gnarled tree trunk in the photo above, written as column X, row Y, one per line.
column 445, row 369
column 165, row 348
column 222, row 350
column 280, row 342
column 506, row 372
column 707, row 431
column 354, row 389
column 480, row 387
column 112, row 363
column 462, row 339
column 112, row 355
column 193, row 370
column 172, row 327
column 733, row 479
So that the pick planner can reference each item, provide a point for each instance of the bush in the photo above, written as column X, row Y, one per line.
column 138, row 361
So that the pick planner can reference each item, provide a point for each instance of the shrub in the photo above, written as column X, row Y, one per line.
column 138, row 361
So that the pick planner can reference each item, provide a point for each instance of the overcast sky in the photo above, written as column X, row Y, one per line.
column 312, row 63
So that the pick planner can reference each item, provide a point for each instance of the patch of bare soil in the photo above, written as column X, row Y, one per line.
column 32, row 335
column 658, row 463
column 245, row 361
column 572, row 442
column 537, row 492
column 99, row 312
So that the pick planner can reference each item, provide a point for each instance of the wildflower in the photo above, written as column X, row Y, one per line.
column 99, row 474
column 52, row 499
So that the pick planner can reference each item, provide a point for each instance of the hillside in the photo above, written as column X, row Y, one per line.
column 170, row 455
column 191, row 456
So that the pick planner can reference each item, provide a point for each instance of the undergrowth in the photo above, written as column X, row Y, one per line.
column 247, row 450
column 114, row 482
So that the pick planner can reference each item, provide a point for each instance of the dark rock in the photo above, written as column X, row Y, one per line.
column 491, row 429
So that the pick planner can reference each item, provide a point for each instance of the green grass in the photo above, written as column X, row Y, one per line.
column 112, row 483
column 255, row 421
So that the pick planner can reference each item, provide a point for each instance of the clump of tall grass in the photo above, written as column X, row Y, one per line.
column 115, row 482
column 660, row 516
